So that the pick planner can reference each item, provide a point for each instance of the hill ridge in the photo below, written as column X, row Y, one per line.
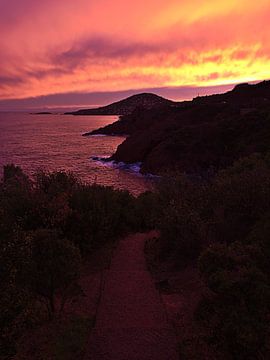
column 127, row 106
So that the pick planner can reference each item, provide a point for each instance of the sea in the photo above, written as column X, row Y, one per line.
column 54, row 142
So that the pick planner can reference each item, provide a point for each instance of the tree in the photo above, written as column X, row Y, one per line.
column 54, row 269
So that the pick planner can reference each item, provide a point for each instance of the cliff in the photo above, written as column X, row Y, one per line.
column 199, row 136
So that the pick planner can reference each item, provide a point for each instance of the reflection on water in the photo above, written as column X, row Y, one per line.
column 54, row 142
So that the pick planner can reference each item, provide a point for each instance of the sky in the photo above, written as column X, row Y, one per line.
column 60, row 53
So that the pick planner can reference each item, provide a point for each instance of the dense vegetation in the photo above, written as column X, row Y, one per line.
column 224, row 226
column 48, row 226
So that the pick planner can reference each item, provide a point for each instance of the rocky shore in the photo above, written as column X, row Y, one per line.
column 200, row 136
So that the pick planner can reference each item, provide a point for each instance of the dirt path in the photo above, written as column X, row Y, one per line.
column 131, row 320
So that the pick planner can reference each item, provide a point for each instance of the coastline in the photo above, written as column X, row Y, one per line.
column 134, row 168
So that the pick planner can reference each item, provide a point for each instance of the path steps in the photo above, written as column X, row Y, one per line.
column 131, row 320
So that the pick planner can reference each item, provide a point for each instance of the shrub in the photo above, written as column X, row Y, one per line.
column 235, row 311
column 15, row 299
column 181, row 234
column 71, row 340
column 43, row 223
column 241, row 194
column 260, row 237
column 54, row 268
column 98, row 215
column 148, row 209
column 55, row 183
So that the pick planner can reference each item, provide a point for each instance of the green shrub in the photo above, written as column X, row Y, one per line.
column 181, row 234
column 46, row 225
column 15, row 300
column 241, row 196
column 54, row 267
column 98, row 215
column 235, row 311
column 148, row 210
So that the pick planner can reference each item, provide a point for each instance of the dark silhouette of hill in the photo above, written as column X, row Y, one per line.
column 198, row 136
column 126, row 106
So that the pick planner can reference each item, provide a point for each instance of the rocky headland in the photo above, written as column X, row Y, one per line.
column 196, row 137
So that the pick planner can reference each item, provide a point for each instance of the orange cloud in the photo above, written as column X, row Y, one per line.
column 67, row 46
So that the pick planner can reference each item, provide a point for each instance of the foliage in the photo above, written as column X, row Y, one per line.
column 148, row 209
column 182, row 210
column 47, row 224
column 180, row 234
column 15, row 301
column 54, row 267
column 98, row 215
column 260, row 237
column 224, row 223
column 241, row 196
column 236, row 310
column 71, row 340
column 235, row 268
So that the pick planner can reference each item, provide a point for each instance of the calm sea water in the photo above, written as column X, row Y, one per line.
column 55, row 142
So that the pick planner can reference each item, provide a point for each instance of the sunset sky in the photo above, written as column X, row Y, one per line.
column 102, row 49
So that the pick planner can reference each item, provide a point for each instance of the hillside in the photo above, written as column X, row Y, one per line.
column 199, row 136
column 126, row 106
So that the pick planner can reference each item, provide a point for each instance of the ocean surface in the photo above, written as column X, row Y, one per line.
column 55, row 142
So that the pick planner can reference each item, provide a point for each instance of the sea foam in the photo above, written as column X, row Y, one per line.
column 104, row 161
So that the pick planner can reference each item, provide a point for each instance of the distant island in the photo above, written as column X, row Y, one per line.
column 42, row 113
column 196, row 137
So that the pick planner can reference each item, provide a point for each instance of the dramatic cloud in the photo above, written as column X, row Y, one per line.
column 67, row 46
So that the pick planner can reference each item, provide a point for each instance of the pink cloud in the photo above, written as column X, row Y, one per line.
column 65, row 45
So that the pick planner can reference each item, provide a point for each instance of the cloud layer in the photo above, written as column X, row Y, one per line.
column 60, row 46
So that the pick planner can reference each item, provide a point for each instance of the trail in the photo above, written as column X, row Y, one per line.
column 131, row 321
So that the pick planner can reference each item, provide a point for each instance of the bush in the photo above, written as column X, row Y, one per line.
column 260, row 237
column 181, row 234
column 70, row 342
column 15, row 300
column 227, row 221
column 148, row 209
column 98, row 215
column 54, row 268
column 235, row 311
column 181, row 220
column 46, row 225
column 241, row 196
